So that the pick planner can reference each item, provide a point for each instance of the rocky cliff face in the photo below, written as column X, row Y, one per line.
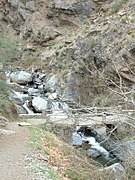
column 89, row 43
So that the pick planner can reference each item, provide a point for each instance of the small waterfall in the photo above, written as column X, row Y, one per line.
column 95, row 145
column 20, row 95
column 92, row 147
column 30, row 112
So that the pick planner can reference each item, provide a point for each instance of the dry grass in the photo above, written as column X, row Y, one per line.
column 71, row 163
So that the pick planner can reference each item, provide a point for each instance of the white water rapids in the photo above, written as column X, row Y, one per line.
column 79, row 139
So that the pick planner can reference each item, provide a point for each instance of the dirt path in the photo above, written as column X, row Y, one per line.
column 16, row 159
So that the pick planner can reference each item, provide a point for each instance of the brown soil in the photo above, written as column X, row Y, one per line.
column 14, row 149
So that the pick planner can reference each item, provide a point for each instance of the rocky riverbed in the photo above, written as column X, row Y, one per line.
column 36, row 93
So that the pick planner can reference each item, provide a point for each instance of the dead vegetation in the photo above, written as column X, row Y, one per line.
column 70, row 162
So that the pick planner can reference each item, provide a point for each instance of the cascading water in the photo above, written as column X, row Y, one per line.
column 94, row 149
column 95, row 145
column 30, row 112
column 20, row 95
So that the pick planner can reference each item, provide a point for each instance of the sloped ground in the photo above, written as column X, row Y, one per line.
column 17, row 160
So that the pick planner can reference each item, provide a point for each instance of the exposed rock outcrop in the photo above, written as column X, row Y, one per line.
column 21, row 77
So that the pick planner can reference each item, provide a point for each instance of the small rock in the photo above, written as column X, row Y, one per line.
column 101, row 132
column 51, row 84
column 93, row 153
column 24, row 124
column 30, row 5
column 122, row 13
column 52, row 96
column 76, row 139
column 33, row 91
column 14, row 3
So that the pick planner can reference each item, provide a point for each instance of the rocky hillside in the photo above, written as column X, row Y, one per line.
column 89, row 44
column 72, row 61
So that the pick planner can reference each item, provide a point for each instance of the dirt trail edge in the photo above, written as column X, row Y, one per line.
column 17, row 161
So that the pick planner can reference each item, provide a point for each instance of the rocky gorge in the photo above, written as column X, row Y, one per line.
column 72, row 62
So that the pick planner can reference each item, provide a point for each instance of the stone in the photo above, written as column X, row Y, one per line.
column 71, row 91
column 15, row 18
column 93, row 153
column 116, row 170
column 70, row 94
column 64, row 5
column 84, row 9
column 24, row 124
column 39, row 104
column 101, row 132
column 51, row 84
column 76, row 139
column 24, row 13
column 31, row 6
column 21, row 77
column 72, row 79
column 122, row 13
column 33, row 91
column 3, row 121
column 125, row 151
column 53, row 96
column 14, row 3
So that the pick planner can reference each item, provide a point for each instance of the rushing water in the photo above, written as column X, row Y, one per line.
column 20, row 95
column 30, row 112
column 100, row 154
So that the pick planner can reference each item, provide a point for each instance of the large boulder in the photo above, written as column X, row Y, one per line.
column 51, row 84
column 76, row 139
column 21, row 77
column 125, row 151
column 81, row 9
column 72, row 84
column 39, row 104
column 116, row 170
